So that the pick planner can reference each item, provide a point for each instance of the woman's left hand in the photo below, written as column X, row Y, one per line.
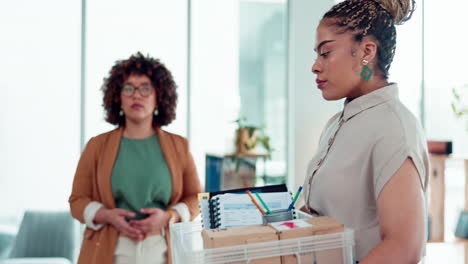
column 156, row 220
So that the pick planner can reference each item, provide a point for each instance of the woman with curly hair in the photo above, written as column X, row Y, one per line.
column 371, row 167
column 133, row 181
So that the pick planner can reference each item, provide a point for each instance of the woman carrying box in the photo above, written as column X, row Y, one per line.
column 371, row 168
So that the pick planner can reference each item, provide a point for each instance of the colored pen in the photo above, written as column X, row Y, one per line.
column 255, row 202
column 263, row 203
column 295, row 198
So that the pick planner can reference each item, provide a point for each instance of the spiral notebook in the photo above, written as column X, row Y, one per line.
column 236, row 209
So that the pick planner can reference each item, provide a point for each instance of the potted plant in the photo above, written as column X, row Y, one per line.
column 459, row 106
column 242, row 162
column 248, row 136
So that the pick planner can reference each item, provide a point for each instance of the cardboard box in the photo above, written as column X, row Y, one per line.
column 234, row 236
column 309, row 227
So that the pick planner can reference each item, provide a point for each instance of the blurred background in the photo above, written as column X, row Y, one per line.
column 230, row 59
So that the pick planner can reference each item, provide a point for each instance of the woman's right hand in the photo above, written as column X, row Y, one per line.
column 116, row 217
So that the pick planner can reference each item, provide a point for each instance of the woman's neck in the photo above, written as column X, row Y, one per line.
column 367, row 87
column 138, row 130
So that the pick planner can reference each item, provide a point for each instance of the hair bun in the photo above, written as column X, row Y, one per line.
column 400, row 10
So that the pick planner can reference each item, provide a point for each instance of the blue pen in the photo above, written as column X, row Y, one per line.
column 295, row 198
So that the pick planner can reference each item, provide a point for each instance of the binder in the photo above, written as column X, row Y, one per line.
column 233, row 207
column 261, row 189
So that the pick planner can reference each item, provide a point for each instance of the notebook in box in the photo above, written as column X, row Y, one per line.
column 222, row 209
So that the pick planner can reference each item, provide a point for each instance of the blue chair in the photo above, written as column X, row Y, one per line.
column 6, row 242
column 45, row 237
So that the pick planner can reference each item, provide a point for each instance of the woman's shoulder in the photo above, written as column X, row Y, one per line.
column 102, row 138
column 174, row 137
column 394, row 122
column 108, row 134
column 400, row 117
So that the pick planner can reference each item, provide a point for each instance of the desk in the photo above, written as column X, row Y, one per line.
column 246, row 157
column 437, row 198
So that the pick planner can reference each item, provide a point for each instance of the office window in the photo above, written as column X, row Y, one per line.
column 238, row 68
column 40, row 84
column 445, row 68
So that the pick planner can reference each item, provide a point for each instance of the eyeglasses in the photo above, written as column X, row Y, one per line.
column 128, row 90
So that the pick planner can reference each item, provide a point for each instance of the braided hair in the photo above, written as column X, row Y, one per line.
column 376, row 18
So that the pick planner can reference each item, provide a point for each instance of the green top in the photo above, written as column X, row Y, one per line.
column 141, row 177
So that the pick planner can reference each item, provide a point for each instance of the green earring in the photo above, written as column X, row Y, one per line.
column 121, row 113
column 366, row 72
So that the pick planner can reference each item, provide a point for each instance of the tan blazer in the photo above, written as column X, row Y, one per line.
column 92, row 182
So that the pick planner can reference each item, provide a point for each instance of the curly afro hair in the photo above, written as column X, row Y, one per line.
column 161, row 79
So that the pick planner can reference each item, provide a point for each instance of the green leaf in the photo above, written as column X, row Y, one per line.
column 454, row 108
column 455, row 94
column 240, row 122
column 251, row 131
column 249, row 146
